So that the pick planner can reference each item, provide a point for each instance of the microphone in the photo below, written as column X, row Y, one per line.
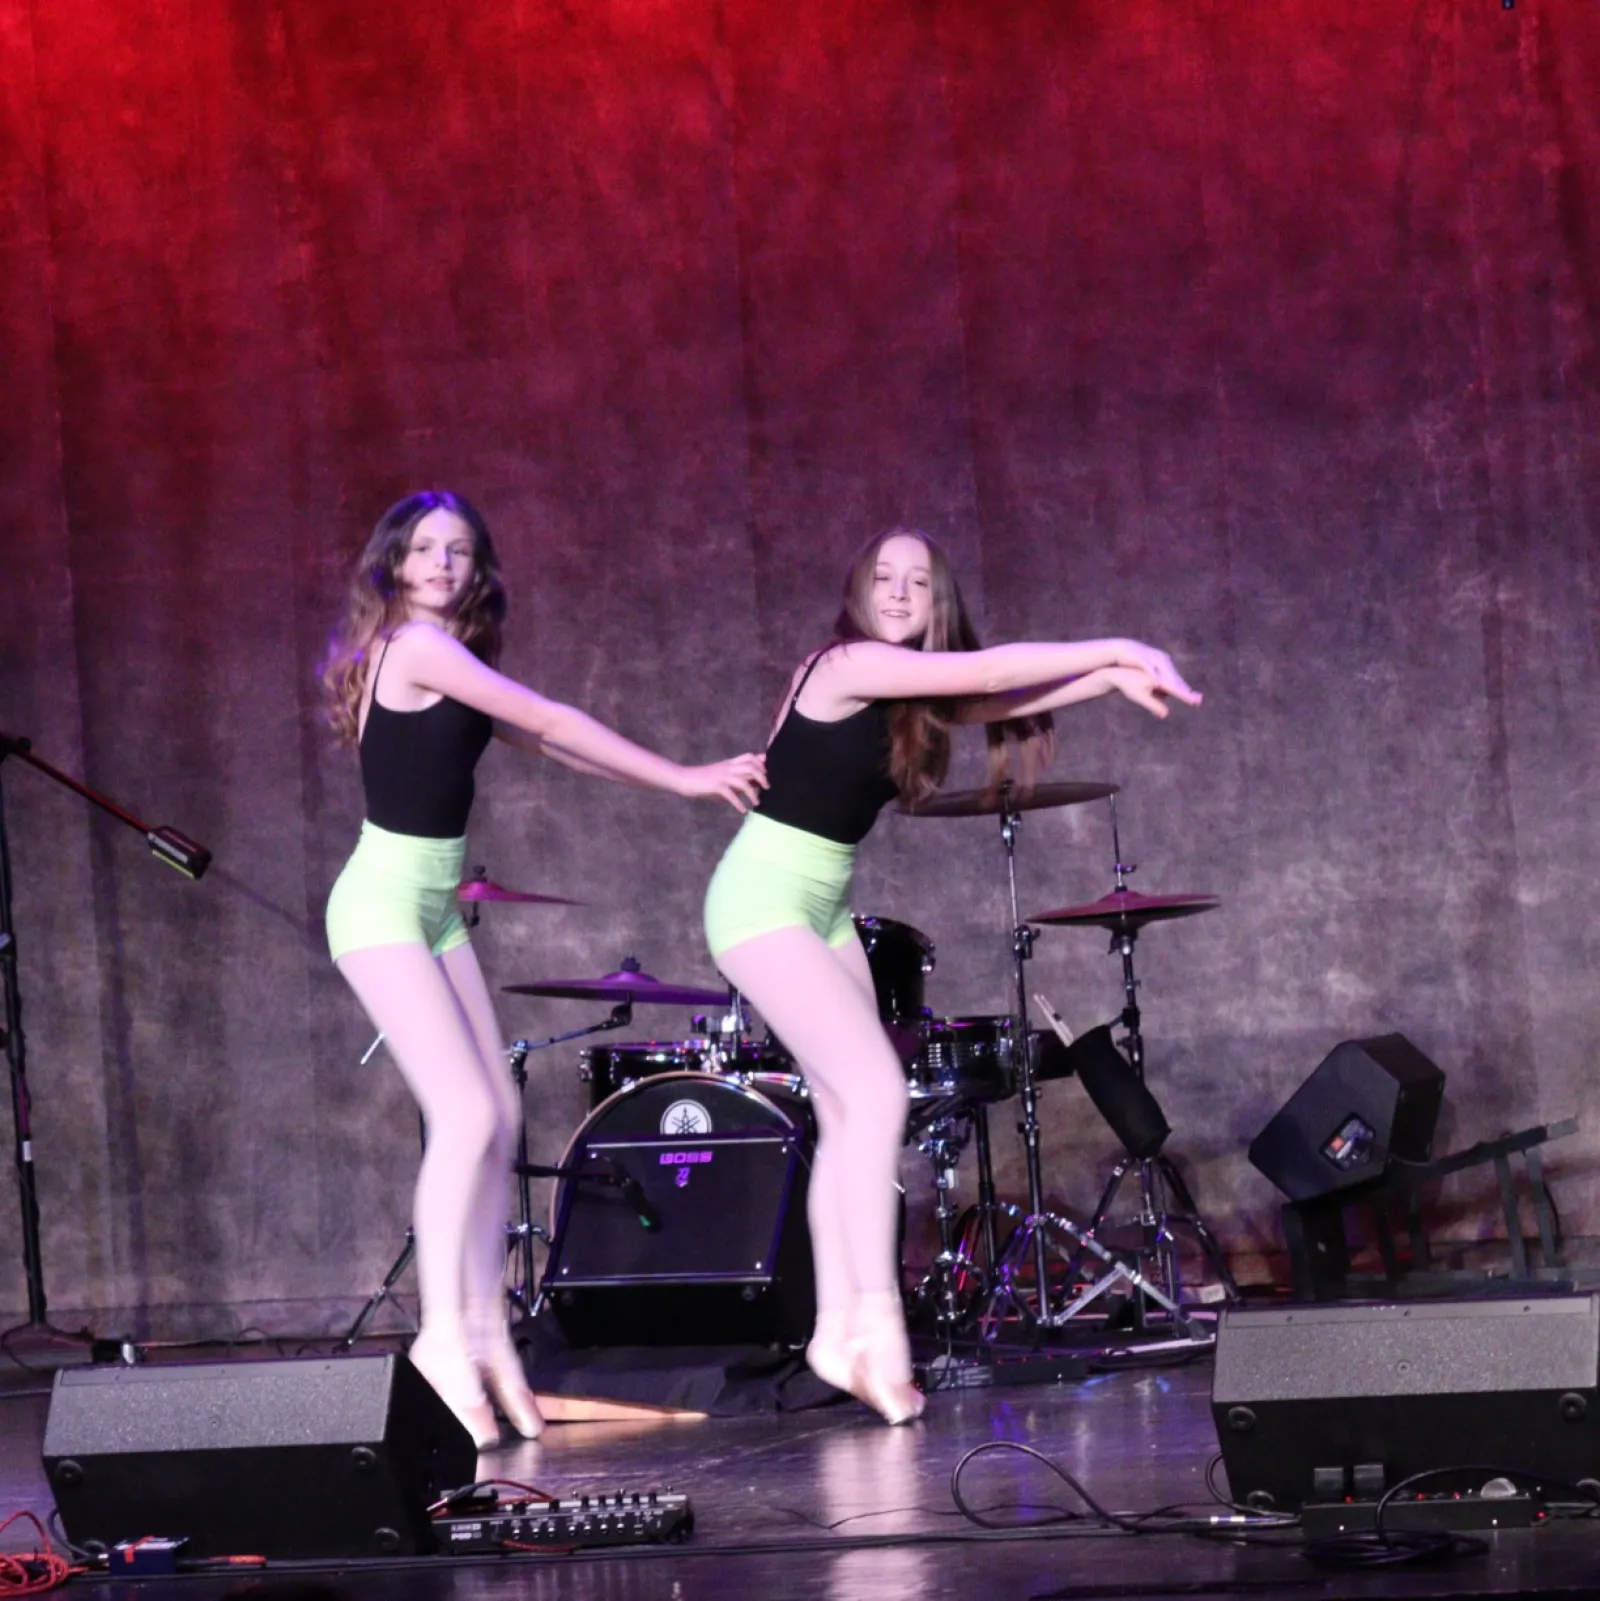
column 633, row 1194
column 189, row 856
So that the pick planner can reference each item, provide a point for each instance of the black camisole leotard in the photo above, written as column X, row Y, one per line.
column 416, row 767
column 830, row 779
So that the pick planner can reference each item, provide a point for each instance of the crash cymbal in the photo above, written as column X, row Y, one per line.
column 1123, row 910
column 485, row 889
column 626, row 985
column 985, row 803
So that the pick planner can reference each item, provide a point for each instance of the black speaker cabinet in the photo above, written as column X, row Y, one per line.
column 706, row 1241
column 287, row 1460
column 1325, row 1390
column 1369, row 1100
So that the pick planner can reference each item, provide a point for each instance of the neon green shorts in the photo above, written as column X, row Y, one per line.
column 397, row 889
column 773, row 876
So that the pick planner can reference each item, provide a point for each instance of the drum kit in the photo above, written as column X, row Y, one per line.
column 1000, row 1269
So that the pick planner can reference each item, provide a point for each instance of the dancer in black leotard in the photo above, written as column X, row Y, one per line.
column 867, row 719
column 428, row 604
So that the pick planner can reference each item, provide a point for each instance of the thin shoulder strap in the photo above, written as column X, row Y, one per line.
column 387, row 642
column 810, row 668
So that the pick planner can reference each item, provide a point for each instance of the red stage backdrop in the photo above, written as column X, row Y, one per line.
column 1264, row 332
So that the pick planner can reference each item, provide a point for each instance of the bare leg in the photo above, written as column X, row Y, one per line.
column 485, row 1264
column 406, row 995
column 815, row 999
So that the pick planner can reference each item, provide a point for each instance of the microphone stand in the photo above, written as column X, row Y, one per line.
column 177, row 850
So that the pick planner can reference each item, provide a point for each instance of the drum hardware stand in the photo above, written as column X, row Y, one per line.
column 947, row 1286
column 1005, row 1293
column 519, row 1235
column 37, row 1342
column 726, row 1040
column 1159, row 1181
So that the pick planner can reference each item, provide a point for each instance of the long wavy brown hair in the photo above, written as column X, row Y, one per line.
column 375, row 606
column 1019, row 749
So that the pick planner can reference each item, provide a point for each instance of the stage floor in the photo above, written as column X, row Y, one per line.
column 831, row 1505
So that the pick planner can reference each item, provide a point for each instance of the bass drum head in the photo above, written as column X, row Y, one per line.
column 678, row 1106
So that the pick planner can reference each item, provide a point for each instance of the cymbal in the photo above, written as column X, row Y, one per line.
column 485, row 889
column 1124, row 910
column 623, row 986
column 984, row 803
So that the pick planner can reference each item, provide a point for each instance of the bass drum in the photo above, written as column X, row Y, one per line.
column 669, row 1108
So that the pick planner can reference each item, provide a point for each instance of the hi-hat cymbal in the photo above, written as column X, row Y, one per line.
column 485, row 889
column 626, row 985
column 1123, row 911
column 985, row 803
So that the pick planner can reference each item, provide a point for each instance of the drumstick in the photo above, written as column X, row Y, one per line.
column 1053, row 1018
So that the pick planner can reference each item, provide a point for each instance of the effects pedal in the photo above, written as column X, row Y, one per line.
column 532, row 1523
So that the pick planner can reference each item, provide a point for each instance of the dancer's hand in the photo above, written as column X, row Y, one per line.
column 739, row 780
column 1144, row 689
column 1157, row 666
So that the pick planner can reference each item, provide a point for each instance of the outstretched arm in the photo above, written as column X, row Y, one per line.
column 869, row 670
column 1139, row 686
column 433, row 660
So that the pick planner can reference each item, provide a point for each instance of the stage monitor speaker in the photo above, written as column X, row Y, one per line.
column 1368, row 1101
column 286, row 1460
column 1304, row 1397
column 693, row 1231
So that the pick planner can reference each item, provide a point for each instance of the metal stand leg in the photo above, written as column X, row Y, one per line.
column 383, row 1293
column 523, row 1292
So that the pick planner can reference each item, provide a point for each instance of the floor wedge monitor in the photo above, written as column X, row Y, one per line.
column 287, row 1460
column 1315, row 1402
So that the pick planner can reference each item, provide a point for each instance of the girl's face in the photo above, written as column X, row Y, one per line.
column 437, row 565
column 902, row 589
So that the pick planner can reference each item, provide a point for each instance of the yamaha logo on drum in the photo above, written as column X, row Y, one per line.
column 686, row 1117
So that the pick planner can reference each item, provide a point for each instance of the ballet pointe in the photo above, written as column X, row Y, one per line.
column 448, row 1367
column 500, row 1366
column 829, row 1355
column 873, row 1360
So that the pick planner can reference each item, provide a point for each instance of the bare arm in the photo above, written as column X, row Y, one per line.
column 512, row 735
column 432, row 661
column 869, row 670
column 1139, row 686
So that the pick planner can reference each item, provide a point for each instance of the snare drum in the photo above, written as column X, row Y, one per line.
column 900, row 957
column 965, row 1058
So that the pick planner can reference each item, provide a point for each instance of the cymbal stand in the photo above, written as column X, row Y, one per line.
column 1160, row 1183
column 1005, row 1292
column 521, row 1234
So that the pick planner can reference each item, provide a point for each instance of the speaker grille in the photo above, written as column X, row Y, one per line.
column 1448, row 1348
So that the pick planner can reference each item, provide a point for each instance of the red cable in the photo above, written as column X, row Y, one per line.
column 32, row 1572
